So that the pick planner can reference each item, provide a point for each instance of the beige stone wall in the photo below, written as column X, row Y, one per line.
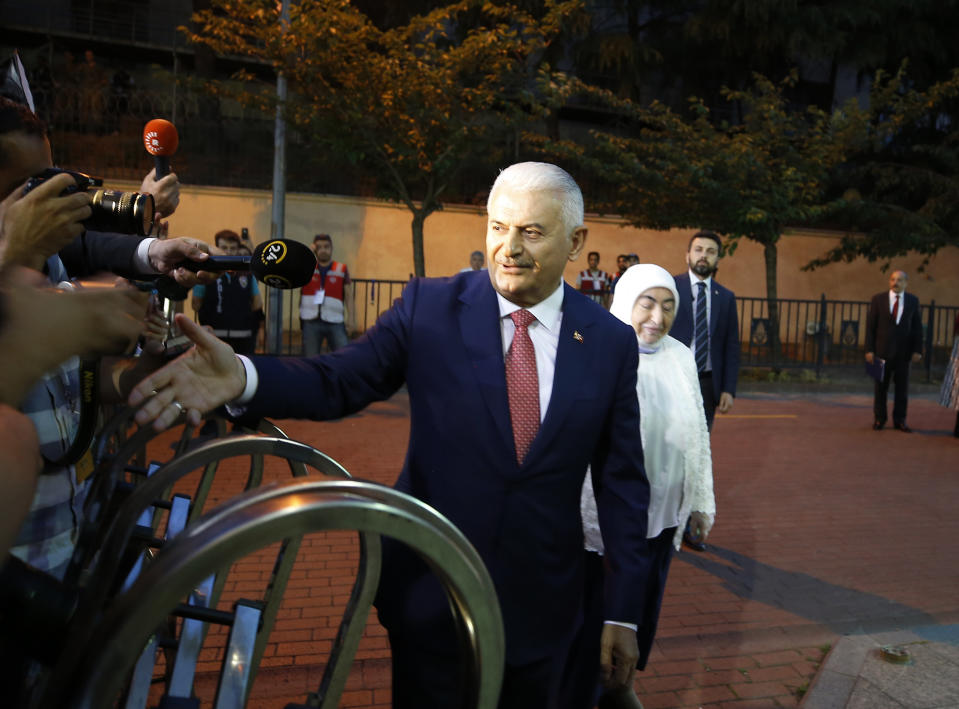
column 374, row 239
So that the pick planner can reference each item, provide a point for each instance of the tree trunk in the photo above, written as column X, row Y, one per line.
column 419, row 263
column 772, row 302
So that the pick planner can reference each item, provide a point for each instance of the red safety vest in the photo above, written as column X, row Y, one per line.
column 593, row 285
column 335, row 281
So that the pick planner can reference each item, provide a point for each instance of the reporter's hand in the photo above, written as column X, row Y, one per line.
column 38, row 224
column 165, row 191
column 204, row 377
column 44, row 327
column 165, row 254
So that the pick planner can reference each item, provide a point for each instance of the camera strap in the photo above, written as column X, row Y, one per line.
column 89, row 400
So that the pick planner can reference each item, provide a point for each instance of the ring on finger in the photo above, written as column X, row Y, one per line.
column 178, row 405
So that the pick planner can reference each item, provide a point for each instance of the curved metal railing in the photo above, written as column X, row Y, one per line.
column 271, row 513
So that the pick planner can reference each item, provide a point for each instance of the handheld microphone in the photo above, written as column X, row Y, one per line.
column 279, row 263
column 161, row 140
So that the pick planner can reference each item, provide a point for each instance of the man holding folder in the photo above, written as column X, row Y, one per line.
column 893, row 342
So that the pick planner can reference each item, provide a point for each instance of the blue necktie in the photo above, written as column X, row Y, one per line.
column 702, row 329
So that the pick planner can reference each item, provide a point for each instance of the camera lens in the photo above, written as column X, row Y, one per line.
column 122, row 212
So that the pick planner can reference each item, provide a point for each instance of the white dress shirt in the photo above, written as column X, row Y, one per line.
column 544, row 333
column 902, row 301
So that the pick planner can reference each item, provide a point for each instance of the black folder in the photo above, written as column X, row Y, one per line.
column 876, row 369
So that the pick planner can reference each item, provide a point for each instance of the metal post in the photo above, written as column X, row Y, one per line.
column 930, row 327
column 821, row 336
column 274, row 323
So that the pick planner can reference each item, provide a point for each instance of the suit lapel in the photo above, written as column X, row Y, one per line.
column 717, row 304
column 685, row 290
column 480, row 329
column 572, row 357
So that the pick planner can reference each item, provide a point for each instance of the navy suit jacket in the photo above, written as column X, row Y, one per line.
column 94, row 251
column 723, row 331
column 888, row 340
column 442, row 338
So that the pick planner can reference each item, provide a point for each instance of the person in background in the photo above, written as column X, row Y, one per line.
column 621, row 267
column 476, row 262
column 677, row 454
column 228, row 305
column 949, row 393
column 257, row 316
column 326, row 302
column 593, row 282
column 893, row 334
column 707, row 323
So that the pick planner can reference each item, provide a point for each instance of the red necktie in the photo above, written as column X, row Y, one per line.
column 522, row 384
column 895, row 309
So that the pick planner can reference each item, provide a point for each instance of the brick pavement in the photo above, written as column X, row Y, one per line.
column 824, row 528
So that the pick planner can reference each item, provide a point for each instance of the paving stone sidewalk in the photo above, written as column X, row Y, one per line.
column 826, row 530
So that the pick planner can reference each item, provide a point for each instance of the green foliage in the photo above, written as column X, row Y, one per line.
column 414, row 103
column 748, row 180
column 899, row 190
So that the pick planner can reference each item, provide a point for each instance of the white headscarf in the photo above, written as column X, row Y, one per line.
column 634, row 282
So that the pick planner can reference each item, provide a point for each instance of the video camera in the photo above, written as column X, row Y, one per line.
column 113, row 211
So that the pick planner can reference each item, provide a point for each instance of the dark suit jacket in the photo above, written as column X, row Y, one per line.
column 884, row 337
column 443, row 339
column 94, row 251
column 723, row 331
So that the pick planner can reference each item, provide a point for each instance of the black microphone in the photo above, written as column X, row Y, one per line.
column 279, row 263
column 161, row 140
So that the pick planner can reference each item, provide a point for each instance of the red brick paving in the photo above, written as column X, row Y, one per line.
column 824, row 527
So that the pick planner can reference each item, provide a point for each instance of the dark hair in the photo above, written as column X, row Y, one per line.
column 622, row 256
column 706, row 235
column 17, row 118
column 323, row 237
column 592, row 253
column 226, row 235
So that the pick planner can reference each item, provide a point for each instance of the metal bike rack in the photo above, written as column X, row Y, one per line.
column 269, row 514
column 105, row 574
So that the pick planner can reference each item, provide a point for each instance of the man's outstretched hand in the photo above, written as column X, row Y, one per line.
column 204, row 377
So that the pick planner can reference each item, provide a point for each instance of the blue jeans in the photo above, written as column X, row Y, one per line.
column 315, row 331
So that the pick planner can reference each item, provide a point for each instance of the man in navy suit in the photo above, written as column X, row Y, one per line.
column 718, row 362
column 707, row 323
column 893, row 333
column 506, row 468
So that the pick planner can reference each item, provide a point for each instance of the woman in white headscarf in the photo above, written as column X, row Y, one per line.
column 675, row 444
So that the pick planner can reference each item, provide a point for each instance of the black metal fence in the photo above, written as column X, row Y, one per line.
column 820, row 334
column 813, row 334
column 371, row 297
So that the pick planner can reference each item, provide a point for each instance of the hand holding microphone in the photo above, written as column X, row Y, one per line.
column 279, row 263
column 160, row 139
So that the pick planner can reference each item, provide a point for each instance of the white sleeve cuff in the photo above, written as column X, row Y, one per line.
column 237, row 407
column 631, row 626
column 141, row 259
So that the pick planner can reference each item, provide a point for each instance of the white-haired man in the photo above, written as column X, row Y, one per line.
column 516, row 384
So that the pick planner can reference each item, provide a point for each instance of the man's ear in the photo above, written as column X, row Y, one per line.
column 577, row 242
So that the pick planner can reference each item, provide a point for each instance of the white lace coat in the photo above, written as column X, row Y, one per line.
column 667, row 380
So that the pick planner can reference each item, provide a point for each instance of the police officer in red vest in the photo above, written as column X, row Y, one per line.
column 324, row 310
column 594, row 282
